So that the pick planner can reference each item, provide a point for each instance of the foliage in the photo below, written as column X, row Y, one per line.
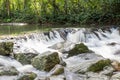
column 99, row 66
column 60, row 11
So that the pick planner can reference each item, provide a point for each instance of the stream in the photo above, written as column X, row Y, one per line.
column 105, row 43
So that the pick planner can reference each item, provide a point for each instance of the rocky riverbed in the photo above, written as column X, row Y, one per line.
column 60, row 55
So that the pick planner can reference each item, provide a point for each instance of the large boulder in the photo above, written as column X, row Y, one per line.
column 9, row 71
column 28, row 76
column 46, row 61
column 24, row 58
column 6, row 48
column 78, row 49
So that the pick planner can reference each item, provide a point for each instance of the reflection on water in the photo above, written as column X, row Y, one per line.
column 8, row 30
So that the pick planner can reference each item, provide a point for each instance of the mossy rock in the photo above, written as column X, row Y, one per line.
column 29, row 76
column 78, row 49
column 46, row 62
column 10, row 71
column 99, row 66
column 24, row 58
column 6, row 48
column 57, row 70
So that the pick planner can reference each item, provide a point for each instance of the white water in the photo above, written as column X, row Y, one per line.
column 40, row 43
column 96, row 41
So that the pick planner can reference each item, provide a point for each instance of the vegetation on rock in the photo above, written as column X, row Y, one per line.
column 8, row 71
column 29, row 76
column 6, row 48
column 58, row 69
column 46, row 62
column 24, row 58
column 78, row 49
column 99, row 66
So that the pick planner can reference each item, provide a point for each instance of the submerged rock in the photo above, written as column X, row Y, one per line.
column 6, row 48
column 78, row 49
column 24, row 58
column 10, row 71
column 46, row 61
column 58, row 69
column 116, row 76
column 28, row 76
column 99, row 66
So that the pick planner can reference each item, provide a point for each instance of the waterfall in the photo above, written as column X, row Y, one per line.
column 96, row 40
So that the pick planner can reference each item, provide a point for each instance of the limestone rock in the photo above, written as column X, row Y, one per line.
column 46, row 61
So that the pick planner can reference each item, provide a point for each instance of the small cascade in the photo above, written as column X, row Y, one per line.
column 103, row 42
column 96, row 40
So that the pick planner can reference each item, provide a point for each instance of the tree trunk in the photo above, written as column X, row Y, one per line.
column 8, row 7
column 65, row 7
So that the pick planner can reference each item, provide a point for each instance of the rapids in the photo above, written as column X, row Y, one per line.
column 98, row 41
column 103, row 42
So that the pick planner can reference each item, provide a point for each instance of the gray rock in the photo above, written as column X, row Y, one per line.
column 28, row 76
column 81, row 62
column 96, row 76
column 24, row 58
column 46, row 61
column 57, row 70
column 10, row 71
column 116, row 76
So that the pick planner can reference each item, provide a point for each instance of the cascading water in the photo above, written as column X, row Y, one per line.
column 98, row 41
column 105, row 43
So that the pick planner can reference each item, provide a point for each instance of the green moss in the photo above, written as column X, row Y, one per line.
column 99, row 66
column 6, row 48
column 24, row 58
column 59, row 71
column 46, row 62
column 78, row 49
column 30, row 76
column 51, row 61
column 9, row 71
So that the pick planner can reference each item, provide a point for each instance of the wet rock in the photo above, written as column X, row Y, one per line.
column 78, row 49
column 63, row 63
column 95, row 76
column 28, row 76
column 82, row 62
column 116, row 76
column 108, row 71
column 6, row 48
column 10, row 71
column 24, row 58
column 58, row 69
column 46, row 61
column 112, row 44
column 99, row 66
column 58, row 46
column 58, row 77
